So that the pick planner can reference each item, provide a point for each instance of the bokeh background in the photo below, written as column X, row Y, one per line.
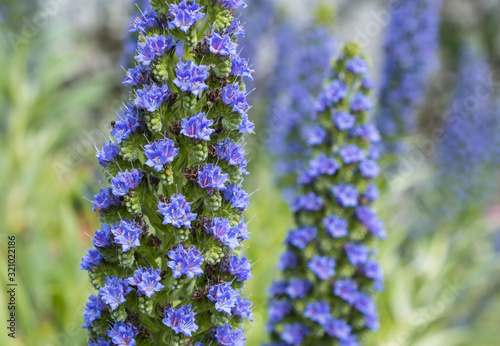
column 60, row 86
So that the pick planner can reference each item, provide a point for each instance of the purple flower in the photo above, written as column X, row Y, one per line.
column 332, row 93
column 127, row 234
column 233, row 4
column 123, row 334
column 346, row 289
column 322, row 165
column 104, row 199
column 152, row 97
column 372, row 223
column 357, row 253
column 222, row 230
column 159, row 153
column 114, row 292
column 298, row 288
column 322, row 266
column 90, row 260
column 318, row 311
column 93, row 310
column 240, row 68
column 198, row 127
column 125, row 181
column 246, row 125
column 221, row 44
column 224, row 296
column 184, row 15
column 240, row 268
column 177, row 212
column 337, row 328
column 232, row 96
column 146, row 21
column 351, row 153
column 108, row 153
column 335, row 226
column 346, row 195
column 294, row 333
column 211, row 177
column 185, row 262
column 372, row 322
column 237, row 196
column 152, row 47
column 357, row 65
column 180, row 320
column 232, row 153
column 365, row 304
column 288, row 260
column 277, row 310
column 127, row 123
column 226, row 336
column 344, row 120
column 313, row 134
column 100, row 342
column 371, row 192
column 277, row 288
column 243, row 308
column 302, row 236
column 369, row 168
column 360, row 103
column 236, row 28
column 139, row 75
column 147, row 281
column 309, row 202
column 102, row 237
column 191, row 77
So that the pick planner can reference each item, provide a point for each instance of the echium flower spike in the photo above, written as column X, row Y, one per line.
column 167, row 264
column 411, row 56
column 328, row 275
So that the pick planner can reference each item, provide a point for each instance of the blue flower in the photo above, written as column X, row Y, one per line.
column 237, row 196
column 370, row 220
column 277, row 310
column 123, row 334
column 332, row 93
column 146, row 21
column 159, row 153
column 147, row 281
column 127, row 234
column 322, row 266
column 236, row 28
column 181, row 320
column 360, row 103
column 337, row 328
column 357, row 65
column 139, row 75
column 369, row 169
column 313, row 134
column 102, row 237
column 226, row 336
column 351, row 153
column 100, row 342
column 288, row 260
column 294, row 333
column 302, row 236
column 344, row 120
column 221, row 44
column 298, row 288
column 177, row 212
column 309, row 202
column 104, row 199
column 211, row 177
column 114, row 292
column 243, row 308
column 108, row 153
column 191, row 77
column 357, row 253
column 349, row 341
column 322, row 165
column 318, row 311
column 347, row 290
column 222, row 230
column 240, row 268
column 132, row 178
column 232, row 153
column 127, row 123
column 184, row 15
column 232, row 96
column 240, row 68
column 365, row 304
column 224, row 296
column 233, row 4
column 152, row 47
column 91, row 259
column 371, row 192
column 346, row 195
column 246, row 125
column 198, row 127
column 152, row 97
column 93, row 310
column 185, row 262
column 335, row 226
